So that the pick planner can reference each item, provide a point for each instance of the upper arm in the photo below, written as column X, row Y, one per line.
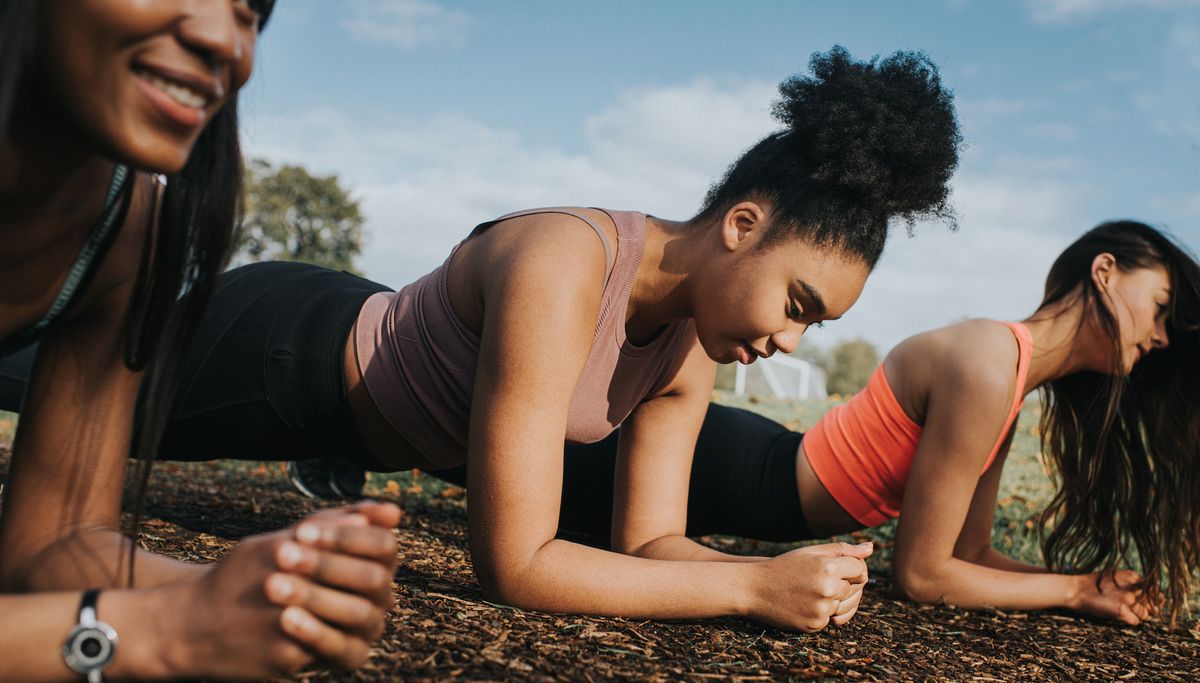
column 655, row 455
column 966, row 408
column 542, row 300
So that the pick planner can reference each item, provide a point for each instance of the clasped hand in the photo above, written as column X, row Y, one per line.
column 318, row 590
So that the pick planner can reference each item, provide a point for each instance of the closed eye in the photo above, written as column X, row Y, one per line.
column 794, row 311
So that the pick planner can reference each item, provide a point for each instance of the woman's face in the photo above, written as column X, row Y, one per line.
column 139, row 79
column 1139, row 300
column 756, row 301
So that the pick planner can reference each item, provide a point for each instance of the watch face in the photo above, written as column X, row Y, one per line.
column 89, row 648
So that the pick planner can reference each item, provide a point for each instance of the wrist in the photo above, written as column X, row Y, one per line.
column 754, row 577
column 155, row 642
column 1076, row 585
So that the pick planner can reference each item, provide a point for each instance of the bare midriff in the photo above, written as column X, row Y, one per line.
column 388, row 447
column 822, row 513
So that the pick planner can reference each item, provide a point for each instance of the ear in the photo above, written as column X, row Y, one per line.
column 1104, row 266
column 742, row 225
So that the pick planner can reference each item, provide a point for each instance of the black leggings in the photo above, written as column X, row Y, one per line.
column 263, row 381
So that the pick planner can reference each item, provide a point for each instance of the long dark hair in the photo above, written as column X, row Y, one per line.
column 1125, row 449
column 197, row 218
column 865, row 142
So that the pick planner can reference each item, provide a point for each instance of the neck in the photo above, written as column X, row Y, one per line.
column 660, row 293
column 42, row 160
column 1057, row 347
column 48, row 177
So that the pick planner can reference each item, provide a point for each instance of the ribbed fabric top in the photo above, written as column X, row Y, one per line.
column 418, row 359
column 862, row 451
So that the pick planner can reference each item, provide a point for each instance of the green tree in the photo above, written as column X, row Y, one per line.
column 292, row 215
column 851, row 363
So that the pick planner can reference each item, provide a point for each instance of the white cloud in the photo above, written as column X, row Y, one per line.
column 407, row 24
column 1059, row 11
column 424, row 185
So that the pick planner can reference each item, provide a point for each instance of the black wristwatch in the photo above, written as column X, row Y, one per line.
column 91, row 645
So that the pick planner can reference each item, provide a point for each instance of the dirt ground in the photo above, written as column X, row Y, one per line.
column 444, row 629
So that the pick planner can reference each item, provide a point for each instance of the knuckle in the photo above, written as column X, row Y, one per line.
column 290, row 658
column 354, row 654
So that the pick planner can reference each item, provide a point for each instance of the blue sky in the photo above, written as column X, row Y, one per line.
column 440, row 115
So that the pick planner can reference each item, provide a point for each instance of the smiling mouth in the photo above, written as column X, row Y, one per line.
column 184, row 88
column 182, row 94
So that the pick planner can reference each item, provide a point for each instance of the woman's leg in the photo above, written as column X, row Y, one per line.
column 263, row 378
column 743, row 481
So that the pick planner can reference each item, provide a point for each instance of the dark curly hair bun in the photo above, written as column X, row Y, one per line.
column 885, row 130
column 866, row 142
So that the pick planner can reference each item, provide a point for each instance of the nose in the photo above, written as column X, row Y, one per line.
column 787, row 340
column 1159, row 340
column 211, row 26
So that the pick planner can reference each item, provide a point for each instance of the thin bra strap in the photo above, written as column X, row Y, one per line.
column 1024, row 356
column 93, row 250
column 609, row 261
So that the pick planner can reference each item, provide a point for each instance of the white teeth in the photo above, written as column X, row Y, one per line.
column 180, row 93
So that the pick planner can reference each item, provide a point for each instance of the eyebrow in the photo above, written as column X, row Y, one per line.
column 818, row 303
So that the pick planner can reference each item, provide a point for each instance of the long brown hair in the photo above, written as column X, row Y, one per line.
column 1125, row 449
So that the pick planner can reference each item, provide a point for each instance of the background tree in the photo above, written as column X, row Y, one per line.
column 850, row 365
column 292, row 215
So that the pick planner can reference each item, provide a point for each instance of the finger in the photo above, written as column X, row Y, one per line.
column 347, row 610
column 369, row 542
column 365, row 577
column 1141, row 609
column 1126, row 615
column 849, row 568
column 338, row 516
column 322, row 639
column 379, row 513
column 847, row 609
column 862, row 550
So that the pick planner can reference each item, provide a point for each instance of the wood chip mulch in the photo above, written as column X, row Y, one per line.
column 444, row 629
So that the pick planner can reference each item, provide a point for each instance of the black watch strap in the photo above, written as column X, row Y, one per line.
column 91, row 645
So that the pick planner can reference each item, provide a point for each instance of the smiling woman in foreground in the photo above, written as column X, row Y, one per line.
column 120, row 177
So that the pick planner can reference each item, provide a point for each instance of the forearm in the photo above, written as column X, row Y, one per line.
column 95, row 557
column 682, row 548
column 966, row 584
column 37, row 625
column 567, row 577
column 997, row 560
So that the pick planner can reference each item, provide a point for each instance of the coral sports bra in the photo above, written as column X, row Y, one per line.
column 862, row 451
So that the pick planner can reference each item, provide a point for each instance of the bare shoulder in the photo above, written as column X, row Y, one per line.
column 557, row 245
column 972, row 360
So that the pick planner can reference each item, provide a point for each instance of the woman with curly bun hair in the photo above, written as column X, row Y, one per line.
column 554, row 326
column 1115, row 349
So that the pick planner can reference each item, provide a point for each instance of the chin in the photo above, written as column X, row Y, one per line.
column 156, row 155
